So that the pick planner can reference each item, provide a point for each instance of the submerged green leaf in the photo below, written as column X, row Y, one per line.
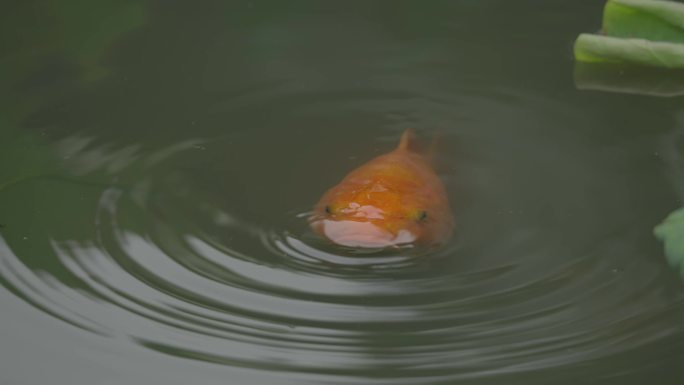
column 671, row 232
column 629, row 79
column 87, row 28
column 645, row 19
column 596, row 49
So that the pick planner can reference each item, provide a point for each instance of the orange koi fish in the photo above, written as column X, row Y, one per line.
column 395, row 199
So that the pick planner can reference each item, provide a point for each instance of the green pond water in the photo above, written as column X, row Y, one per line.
column 158, row 161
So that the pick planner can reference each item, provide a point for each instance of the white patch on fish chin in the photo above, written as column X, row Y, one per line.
column 404, row 237
column 362, row 234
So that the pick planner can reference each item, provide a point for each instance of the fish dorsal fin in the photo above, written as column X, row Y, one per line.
column 407, row 141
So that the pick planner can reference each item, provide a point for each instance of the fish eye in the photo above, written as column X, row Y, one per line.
column 328, row 209
column 422, row 216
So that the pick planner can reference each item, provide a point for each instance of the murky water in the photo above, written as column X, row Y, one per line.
column 159, row 161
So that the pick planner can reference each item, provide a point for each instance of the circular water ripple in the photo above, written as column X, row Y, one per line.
column 532, row 282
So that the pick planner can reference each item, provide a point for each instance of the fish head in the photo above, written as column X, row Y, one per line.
column 377, row 215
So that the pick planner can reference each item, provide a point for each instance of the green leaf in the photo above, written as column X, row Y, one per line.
column 643, row 32
column 596, row 49
column 671, row 232
column 645, row 19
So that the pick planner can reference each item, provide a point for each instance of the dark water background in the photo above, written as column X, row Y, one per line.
column 158, row 160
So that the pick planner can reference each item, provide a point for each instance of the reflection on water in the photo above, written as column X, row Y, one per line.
column 161, row 221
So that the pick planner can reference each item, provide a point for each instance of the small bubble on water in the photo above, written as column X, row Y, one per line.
column 25, row 238
column 199, row 147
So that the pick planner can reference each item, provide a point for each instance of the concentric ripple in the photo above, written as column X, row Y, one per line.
column 186, row 253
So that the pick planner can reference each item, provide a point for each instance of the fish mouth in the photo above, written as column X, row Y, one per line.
column 361, row 234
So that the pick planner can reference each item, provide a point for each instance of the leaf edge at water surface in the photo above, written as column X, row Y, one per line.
column 591, row 48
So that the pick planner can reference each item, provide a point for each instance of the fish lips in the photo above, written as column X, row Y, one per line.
column 361, row 234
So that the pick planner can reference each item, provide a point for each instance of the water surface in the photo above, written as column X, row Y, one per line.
column 159, row 161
